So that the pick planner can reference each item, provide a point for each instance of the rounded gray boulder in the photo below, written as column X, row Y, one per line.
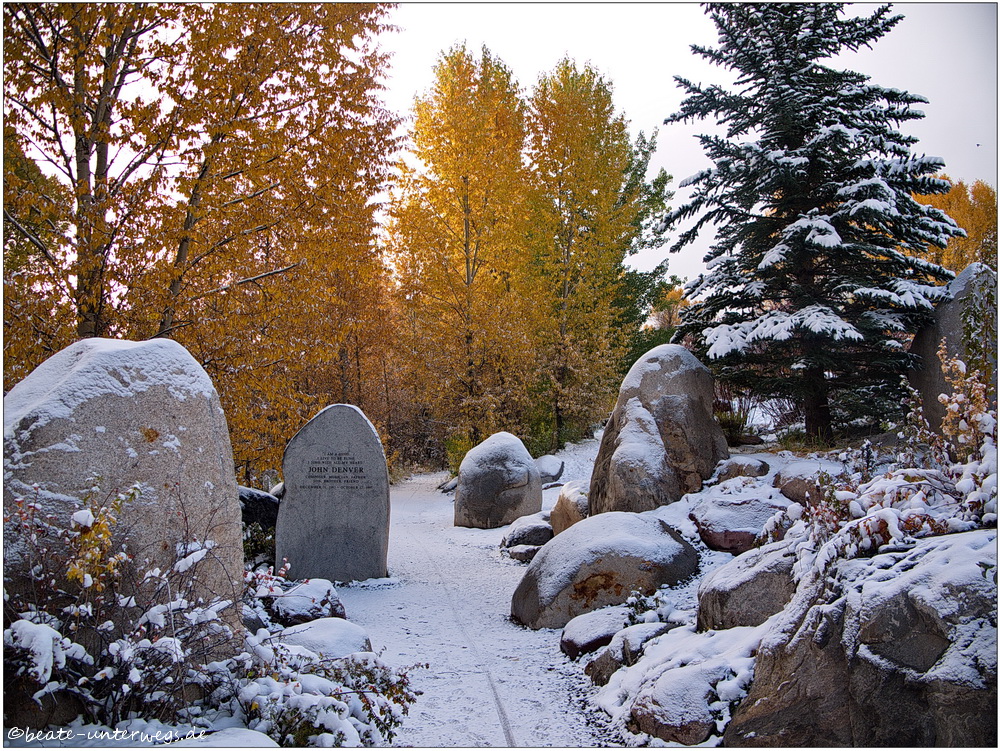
column 498, row 482
column 600, row 561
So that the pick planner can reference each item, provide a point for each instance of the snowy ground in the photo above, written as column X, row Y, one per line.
column 447, row 604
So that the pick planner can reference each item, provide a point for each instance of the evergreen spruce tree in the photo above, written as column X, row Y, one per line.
column 814, row 280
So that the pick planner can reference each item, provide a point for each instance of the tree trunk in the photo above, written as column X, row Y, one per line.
column 816, row 405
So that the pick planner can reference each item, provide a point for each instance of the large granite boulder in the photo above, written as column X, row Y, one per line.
column 600, row 561
column 498, row 482
column 116, row 414
column 747, row 590
column 662, row 440
column 894, row 650
column 927, row 378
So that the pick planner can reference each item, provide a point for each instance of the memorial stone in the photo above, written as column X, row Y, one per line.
column 333, row 522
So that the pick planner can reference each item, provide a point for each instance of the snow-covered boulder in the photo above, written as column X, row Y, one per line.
column 624, row 649
column 328, row 638
column 739, row 466
column 278, row 491
column 304, row 602
column 600, row 561
column 119, row 414
column 571, row 506
column 927, row 378
column 550, row 467
column 747, row 590
column 533, row 529
column 662, row 440
column 523, row 553
column 798, row 481
column 895, row 650
column 732, row 524
column 591, row 631
column 258, row 507
column 497, row 482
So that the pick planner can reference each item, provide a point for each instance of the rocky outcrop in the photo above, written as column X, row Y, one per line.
column 927, row 378
column 747, row 590
column 894, row 650
column 498, row 482
column 600, row 561
column 662, row 440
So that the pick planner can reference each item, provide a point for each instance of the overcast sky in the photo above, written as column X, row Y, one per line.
column 946, row 52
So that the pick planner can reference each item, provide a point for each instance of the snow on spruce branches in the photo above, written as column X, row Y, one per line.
column 814, row 277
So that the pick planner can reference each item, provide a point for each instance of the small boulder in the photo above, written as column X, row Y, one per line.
column 304, row 602
column 258, row 507
column 799, row 481
column 523, row 553
column 449, row 485
column 733, row 525
column 739, row 466
column 550, row 468
column 533, row 529
column 497, row 483
column 600, row 561
column 278, row 491
column 589, row 632
column 662, row 440
column 624, row 650
column 747, row 590
column 675, row 708
column 329, row 638
column 571, row 507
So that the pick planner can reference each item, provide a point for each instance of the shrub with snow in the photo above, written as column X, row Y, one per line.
column 131, row 644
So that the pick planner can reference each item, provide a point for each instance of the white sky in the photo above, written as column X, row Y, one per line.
column 946, row 52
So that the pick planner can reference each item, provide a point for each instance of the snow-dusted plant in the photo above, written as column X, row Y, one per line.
column 301, row 700
column 937, row 483
column 815, row 277
column 88, row 622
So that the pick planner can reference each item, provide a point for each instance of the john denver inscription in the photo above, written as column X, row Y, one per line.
column 334, row 519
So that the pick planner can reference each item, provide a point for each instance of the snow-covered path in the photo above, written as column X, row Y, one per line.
column 447, row 604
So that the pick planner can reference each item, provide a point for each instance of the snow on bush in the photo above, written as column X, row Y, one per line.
column 136, row 645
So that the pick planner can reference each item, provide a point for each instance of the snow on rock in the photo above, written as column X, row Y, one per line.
column 498, row 481
column 740, row 466
column 304, row 602
column 228, row 738
column 733, row 524
column 797, row 480
column 329, row 638
column 533, row 529
column 624, row 649
column 591, row 631
column 258, row 507
column 683, row 682
column 898, row 649
column 600, row 561
column 550, row 467
column 127, row 415
column 749, row 589
column 662, row 440
column 571, row 506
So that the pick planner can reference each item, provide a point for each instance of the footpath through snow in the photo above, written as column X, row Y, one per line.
column 489, row 682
